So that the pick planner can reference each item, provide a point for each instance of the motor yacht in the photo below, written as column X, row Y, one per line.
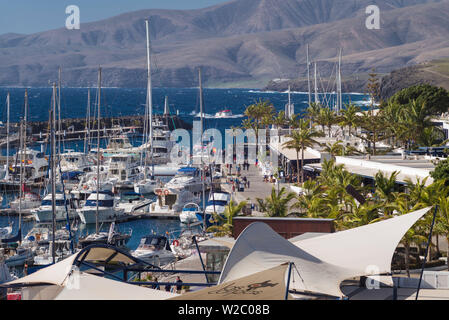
column 169, row 203
column 189, row 213
column 30, row 200
column 187, row 178
column 223, row 114
column 155, row 250
column 107, row 209
column 44, row 213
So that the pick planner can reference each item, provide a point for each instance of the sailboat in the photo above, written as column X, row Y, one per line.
column 148, row 184
column 22, row 253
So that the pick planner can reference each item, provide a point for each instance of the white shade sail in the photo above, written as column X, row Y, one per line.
column 265, row 285
column 322, row 262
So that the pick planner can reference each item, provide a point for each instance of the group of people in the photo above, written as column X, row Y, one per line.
column 240, row 185
column 270, row 178
column 167, row 287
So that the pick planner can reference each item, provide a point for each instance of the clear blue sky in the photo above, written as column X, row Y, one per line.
column 30, row 16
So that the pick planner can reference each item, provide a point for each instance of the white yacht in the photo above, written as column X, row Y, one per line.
column 169, row 203
column 188, row 178
column 35, row 167
column 146, row 186
column 189, row 213
column 88, row 185
column 123, row 170
column 30, row 200
column 154, row 250
column 217, row 202
column 107, row 210
column 44, row 212
column 131, row 202
column 118, row 143
column 75, row 161
column 223, row 114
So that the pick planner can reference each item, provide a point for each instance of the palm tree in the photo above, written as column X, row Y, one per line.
column 349, row 116
column 312, row 111
column 385, row 188
column 225, row 222
column 403, row 205
column 327, row 117
column 276, row 205
column 362, row 214
column 301, row 138
column 376, row 128
column 334, row 149
column 311, row 201
column 259, row 116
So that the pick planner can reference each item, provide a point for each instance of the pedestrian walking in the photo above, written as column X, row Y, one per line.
column 178, row 285
column 155, row 285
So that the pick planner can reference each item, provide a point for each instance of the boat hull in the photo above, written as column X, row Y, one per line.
column 46, row 215
column 88, row 216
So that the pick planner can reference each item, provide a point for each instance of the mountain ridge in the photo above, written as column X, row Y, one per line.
column 236, row 41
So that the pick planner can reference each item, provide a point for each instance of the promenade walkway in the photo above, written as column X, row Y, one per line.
column 257, row 189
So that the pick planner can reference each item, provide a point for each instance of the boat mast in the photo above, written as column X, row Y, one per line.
column 21, row 146
column 317, row 100
column 7, row 135
column 149, row 99
column 53, row 172
column 340, row 99
column 23, row 155
column 308, row 76
column 87, row 136
column 98, row 150
column 59, row 111
column 203, row 176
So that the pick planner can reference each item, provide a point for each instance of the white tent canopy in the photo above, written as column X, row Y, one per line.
column 322, row 262
column 63, row 282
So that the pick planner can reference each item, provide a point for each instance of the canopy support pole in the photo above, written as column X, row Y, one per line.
column 201, row 259
column 427, row 251
column 288, row 280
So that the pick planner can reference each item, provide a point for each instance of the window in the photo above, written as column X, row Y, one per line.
column 101, row 203
column 59, row 203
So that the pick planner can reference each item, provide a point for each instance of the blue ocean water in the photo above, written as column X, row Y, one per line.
column 121, row 102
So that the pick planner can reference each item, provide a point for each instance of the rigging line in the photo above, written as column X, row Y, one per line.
column 302, row 280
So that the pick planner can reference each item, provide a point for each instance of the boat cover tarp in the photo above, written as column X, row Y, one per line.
column 264, row 285
column 323, row 262
column 16, row 238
